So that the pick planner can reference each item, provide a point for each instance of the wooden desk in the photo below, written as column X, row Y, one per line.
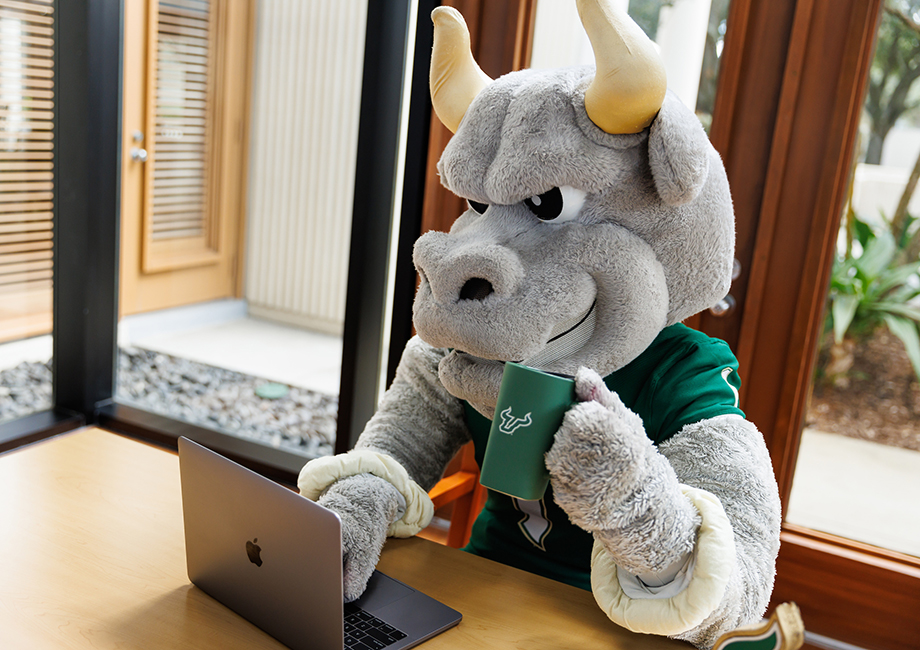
column 92, row 556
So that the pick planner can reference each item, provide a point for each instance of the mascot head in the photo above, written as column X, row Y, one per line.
column 599, row 211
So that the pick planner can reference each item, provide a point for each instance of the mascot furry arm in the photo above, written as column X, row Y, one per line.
column 600, row 217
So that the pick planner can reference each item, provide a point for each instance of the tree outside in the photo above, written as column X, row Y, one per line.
column 712, row 55
column 867, row 383
column 892, row 94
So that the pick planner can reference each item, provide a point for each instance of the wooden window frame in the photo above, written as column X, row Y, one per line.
column 790, row 97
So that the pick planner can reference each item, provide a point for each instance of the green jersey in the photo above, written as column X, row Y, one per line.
column 683, row 377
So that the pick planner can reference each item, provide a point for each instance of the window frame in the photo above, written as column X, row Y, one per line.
column 87, row 146
column 87, row 152
column 780, row 97
column 790, row 96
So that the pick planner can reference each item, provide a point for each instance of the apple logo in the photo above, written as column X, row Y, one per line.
column 253, row 550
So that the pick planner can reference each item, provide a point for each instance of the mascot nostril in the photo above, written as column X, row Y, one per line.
column 476, row 289
column 661, row 498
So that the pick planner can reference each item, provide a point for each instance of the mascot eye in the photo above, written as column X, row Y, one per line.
column 478, row 207
column 546, row 206
column 558, row 205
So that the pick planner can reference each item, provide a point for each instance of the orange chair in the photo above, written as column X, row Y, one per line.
column 462, row 488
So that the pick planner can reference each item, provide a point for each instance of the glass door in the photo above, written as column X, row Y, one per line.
column 240, row 133
column 858, row 469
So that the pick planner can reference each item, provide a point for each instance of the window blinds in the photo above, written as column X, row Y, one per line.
column 26, row 163
column 180, row 165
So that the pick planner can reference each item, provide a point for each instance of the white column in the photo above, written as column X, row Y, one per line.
column 559, row 40
column 681, row 40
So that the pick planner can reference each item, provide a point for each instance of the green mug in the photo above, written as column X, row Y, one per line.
column 531, row 405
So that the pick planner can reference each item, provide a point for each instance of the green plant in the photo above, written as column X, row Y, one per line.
column 870, row 288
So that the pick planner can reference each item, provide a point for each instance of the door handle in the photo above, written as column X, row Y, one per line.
column 727, row 305
column 724, row 307
column 138, row 154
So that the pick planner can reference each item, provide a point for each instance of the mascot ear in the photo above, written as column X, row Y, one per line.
column 678, row 153
column 628, row 94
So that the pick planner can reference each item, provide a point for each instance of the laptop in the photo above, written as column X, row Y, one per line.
column 275, row 558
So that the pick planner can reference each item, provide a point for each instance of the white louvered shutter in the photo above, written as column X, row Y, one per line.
column 178, row 221
column 26, row 166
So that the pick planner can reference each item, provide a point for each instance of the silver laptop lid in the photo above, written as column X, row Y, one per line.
column 264, row 551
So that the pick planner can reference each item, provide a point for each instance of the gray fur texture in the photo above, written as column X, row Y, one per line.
column 727, row 457
column 367, row 505
column 419, row 423
column 666, row 185
column 611, row 481
column 651, row 244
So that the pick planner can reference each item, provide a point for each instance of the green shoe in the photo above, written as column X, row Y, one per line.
column 782, row 631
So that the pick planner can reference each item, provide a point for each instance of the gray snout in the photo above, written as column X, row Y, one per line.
column 471, row 271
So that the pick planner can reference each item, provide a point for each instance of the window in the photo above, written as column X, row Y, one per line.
column 785, row 123
column 89, row 169
column 26, row 205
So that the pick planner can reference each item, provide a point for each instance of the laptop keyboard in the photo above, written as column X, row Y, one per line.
column 365, row 631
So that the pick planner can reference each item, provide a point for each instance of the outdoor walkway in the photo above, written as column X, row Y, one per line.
column 858, row 489
column 221, row 334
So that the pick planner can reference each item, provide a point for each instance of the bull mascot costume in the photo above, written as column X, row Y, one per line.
column 599, row 218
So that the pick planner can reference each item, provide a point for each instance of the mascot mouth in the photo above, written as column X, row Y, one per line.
column 565, row 339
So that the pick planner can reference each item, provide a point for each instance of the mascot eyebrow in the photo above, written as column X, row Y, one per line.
column 600, row 218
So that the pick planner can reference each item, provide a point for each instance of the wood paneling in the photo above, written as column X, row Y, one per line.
column 199, row 262
column 501, row 34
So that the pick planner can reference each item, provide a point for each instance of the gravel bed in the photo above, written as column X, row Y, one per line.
column 301, row 421
column 24, row 389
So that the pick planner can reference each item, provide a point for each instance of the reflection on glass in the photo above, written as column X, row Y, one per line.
column 690, row 35
column 858, row 471
column 26, row 192
column 233, row 291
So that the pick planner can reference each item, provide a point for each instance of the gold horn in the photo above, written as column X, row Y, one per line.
column 629, row 85
column 455, row 78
